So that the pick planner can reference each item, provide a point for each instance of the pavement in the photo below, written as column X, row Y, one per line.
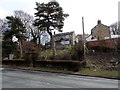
column 22, row 78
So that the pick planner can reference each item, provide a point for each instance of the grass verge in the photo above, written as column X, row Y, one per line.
column 83, row 71
column 103, row 73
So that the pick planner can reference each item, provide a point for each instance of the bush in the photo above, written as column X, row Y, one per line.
column 101, row 48
column 15, row 62
column 8, row 47
column 71, row 53
column 59, row 64
column 64, row 64
column 63, row 56
column 77, row 52
column 30, row 58
column 31, row 52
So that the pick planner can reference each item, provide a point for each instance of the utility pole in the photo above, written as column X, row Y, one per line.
column 83, row 36
column 54, row 49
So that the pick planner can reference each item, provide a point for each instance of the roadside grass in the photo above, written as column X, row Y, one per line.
column 51, row 69
column 95, row 72
column 83, row 71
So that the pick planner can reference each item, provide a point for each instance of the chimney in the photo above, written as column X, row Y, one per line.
column 99, row 22
column 54, row 32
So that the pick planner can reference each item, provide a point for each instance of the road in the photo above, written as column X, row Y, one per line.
column 16, row 78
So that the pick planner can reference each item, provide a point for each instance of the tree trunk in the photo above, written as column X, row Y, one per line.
column 39, row 36
column 20, row 45
column 53, row 46
column 34, row 40
column 52, row 42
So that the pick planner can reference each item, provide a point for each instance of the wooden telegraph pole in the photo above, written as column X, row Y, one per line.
column 83, row 36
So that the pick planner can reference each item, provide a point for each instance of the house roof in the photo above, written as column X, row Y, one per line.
column 99, row 23
column 62, row 34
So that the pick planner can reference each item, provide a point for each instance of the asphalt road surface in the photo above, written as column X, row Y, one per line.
column 16, row 78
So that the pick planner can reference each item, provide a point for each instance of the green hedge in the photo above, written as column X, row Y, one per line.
column 65, row 56
column 15, row 62
column 59, row 64
column 77, row 52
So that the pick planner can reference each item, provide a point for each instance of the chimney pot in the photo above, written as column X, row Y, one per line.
column 99, row 21
column 54, row 32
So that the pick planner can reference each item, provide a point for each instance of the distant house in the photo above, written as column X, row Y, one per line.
column 80, row 36
column 115, row 36
column 67, row 38
column 101, row 36
column 100, row 31
column 90, row 38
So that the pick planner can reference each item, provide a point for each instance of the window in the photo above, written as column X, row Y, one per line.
column 65, row 42
column 67, row 36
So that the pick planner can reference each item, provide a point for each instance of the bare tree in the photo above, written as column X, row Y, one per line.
column 115, row 28
column 32, row 31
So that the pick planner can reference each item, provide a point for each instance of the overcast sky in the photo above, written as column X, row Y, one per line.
column 91, row 10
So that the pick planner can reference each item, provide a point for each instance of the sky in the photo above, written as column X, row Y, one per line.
column 91, row 10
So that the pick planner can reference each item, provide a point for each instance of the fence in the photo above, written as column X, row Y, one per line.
column 112, row 43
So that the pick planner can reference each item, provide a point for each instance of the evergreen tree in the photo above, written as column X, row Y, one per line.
column 16, row 28
column 49, row 17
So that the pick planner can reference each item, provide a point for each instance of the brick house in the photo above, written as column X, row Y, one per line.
column 67, row 38
column 80, row 37
column 100, row 31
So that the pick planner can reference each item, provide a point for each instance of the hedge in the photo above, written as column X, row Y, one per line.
column 65, row 56
column 101, row 48
column 15, row 62
column 59, row 64
column 64, row 64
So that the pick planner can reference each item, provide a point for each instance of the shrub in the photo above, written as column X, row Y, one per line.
column 63, row 56
column 77, row 52
column 71, row 53
column 101, row 48
column 64, row 64
column 8, row 47
column 59, row 64
column 15, row 62
column 30, row 52
column 30, row 58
